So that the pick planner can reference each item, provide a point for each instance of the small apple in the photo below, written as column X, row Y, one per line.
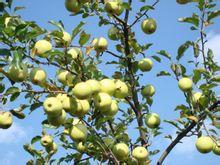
column 75, row 53
column 46, row 140
column 145, row 65
column 149, row 26
column 112, row 110
column 121, row 151
column 80, row 147
column 113, row 33
column 6, row 120
column 68, row 103
column 95, row 86
column 78, row 132
column 81, row 108
column 65, row 77
column 196, row 97
column 102, row 100
column 121, row 89
column 38, row 76
column 182, row 2
column 148, row 91
column 204, row 144
column 18, row 74
column 185, row 84
column 57, row 120
column 216, row 149
column 140, row 153
column 76, row 121
column 52, row 149
column 108, row 86
column 66, row 38
column 52, row 106
column 42, row 47
column 100, row 44
column 114, row 7
column 82, row 90
column 72, row 6
column 152, row 120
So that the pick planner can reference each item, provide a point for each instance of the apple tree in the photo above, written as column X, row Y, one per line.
column 87, row 113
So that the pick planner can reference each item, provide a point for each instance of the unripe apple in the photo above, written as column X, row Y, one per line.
column 185, row 84
column 114, row 7
column 7, row 20
column 82, row 90
column 121, row 90
column 112, row 110
column 204, row 144
column 52, row 149
column 66, row 38
column 76, row 121
column 216, row 149
column 145, row 65
column 121, row 151
column 75, row 53
column 57, row 120
column 78, row 132
column 95, row 86
column 42, row 47
column 6, row 120
column 72, row 6
column 108, row 142
column 80, row 147
column 108, row 86
column 18, row 74
column 148, row 91
column 65, row 77
column 182, row 2
column 38, row 76
column 196, row 97
column 102, row 100
column 46, row 140
column 100, row 45
column 81, row 108
column 149, row 26
column 52, row 106
column 113, row 33
column 152, row 120
column 68, row 103
column 140, row 153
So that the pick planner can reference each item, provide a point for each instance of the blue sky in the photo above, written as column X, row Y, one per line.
column 170, row 34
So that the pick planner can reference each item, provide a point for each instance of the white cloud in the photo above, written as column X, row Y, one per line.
column 214, row 44
column 12, row 135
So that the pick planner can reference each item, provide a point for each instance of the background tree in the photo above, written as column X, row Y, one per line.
column 89, row 112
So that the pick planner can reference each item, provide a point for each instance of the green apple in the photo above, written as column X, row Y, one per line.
column 145, row 64
column 7, row 20
column 114, row 7
column 185, row 84
column 108, row 86
column 38, row 76
column 216, row 149
column 46, row 140
column 121, row 151
column 52, row 149
column 78, row 132
column 57, row 120
column 204, row 144
column 140, row 153
column 112, row 110
column 82, row 90
column 121, row 90
column 182, row 2
column 95, row 86
column 152, row 120
column 72, row 6
column 113, row 33
column 109, row 142
column 149, row 26
column 76, row 121
column 75, row 53
column 102, row 100
column 196, row 97
column 80, row 147
column 66, row 38
column 100, row 44
column 68, row 103
column 65, row 77
column 52, row 106
column 41, row 47
column 6, row 120
column 81, row 108
column 18, row 74
column 148, row 91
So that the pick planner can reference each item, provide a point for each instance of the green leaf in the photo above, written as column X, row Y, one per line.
column 77, row 29
column 35, row 106
column 164, row 53
column 163, row 73
column 57, row 24
column 156, row 58
column 182, row 49
column 84, row 38
column 35, row 139
column 213, row 14
column 182, row 108
column 6, row 52
column 18, row 114
column 192, row 20
column 12, row 90
column 146, row 7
